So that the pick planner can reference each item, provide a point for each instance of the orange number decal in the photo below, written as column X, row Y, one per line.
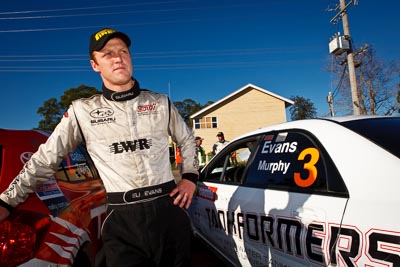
column 309, row 166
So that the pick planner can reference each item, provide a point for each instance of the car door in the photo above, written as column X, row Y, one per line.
column 285, row 209
column 209, row 210
column 304, row 201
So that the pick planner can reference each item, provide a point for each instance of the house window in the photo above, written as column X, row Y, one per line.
column 205, row 123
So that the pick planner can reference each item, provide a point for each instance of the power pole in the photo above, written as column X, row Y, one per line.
column 350, row 57
column 350, row 60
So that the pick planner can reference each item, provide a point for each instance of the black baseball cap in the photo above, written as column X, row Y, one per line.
column 220, row 134
column 99, row 39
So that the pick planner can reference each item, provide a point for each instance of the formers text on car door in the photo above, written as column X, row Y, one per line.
column 60, row 224
column 305, row 193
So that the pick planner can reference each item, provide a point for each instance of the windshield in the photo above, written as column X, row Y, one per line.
column 385, row 132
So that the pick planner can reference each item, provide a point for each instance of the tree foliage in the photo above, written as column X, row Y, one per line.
column 82, row 91
column 186, row 108
column 53, row 110
column 376, row 83
column 207, row 104
column 302, row 108
column 51, row 113
column 398, row 98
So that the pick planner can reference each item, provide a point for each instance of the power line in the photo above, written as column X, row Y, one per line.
column 161, row 54
column 144, row 67
column 218, row 57
column 149, row 55
column 158, row 22
column 154, row 22
column 167, row 10
column 87, row 8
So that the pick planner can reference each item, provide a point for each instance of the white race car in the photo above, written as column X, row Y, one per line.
column 319, row 192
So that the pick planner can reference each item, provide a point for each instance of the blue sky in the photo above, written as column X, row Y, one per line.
column 202, row 50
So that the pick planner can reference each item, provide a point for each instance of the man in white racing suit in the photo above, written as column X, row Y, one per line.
column 126, row 131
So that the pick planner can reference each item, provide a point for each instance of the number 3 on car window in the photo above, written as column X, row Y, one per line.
column 309, row 166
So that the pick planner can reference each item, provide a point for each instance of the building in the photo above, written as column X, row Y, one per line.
column 246, row 109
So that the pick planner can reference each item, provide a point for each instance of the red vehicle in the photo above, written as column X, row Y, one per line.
column 59, row 224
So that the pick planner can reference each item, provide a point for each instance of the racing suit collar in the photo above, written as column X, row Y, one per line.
column 122, row 96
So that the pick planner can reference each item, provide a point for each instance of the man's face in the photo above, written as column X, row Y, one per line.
column 199, row 142
column 114, row 64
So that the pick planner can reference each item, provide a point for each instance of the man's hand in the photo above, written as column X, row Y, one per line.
column 3, row 213
column 183, row 191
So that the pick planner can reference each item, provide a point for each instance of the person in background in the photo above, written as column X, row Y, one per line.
column 220, row 144
column 146, row 223
column 234, row 158
column 201, row 153
column 178, row 160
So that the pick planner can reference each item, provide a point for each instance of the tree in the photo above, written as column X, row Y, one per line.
column 53, row 110
column 207, row 104
column 186, row 108
column 398, row 98
column 376, row 82
column 82, row 91
column 398, row 95
column 302, row 108
column 51, row 113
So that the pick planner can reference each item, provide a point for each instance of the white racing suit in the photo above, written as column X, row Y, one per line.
column 126, row 135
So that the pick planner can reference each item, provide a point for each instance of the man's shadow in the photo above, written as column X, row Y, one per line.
column 258, row 213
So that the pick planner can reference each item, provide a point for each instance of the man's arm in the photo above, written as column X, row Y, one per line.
column 183, row 193
column 183, row 136
column 42, row 165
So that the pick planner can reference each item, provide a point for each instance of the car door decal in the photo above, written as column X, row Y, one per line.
column 69, row 236
column 309, row 166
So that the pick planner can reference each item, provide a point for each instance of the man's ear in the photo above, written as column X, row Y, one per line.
column 94, row 65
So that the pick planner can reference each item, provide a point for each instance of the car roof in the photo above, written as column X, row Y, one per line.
column 356, row 117
column 305, row 123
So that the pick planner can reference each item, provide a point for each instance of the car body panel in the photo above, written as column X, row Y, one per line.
column 66, row 212
column 312, row 193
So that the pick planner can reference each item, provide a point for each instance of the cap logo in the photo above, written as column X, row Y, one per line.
column 102, row 33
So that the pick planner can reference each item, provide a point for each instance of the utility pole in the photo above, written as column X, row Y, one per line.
column 350, row 57
column 350, row 60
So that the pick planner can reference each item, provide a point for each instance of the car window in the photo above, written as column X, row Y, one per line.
column 294, row 161
column 384, row 132
column 75, row 168
column 229, row 165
